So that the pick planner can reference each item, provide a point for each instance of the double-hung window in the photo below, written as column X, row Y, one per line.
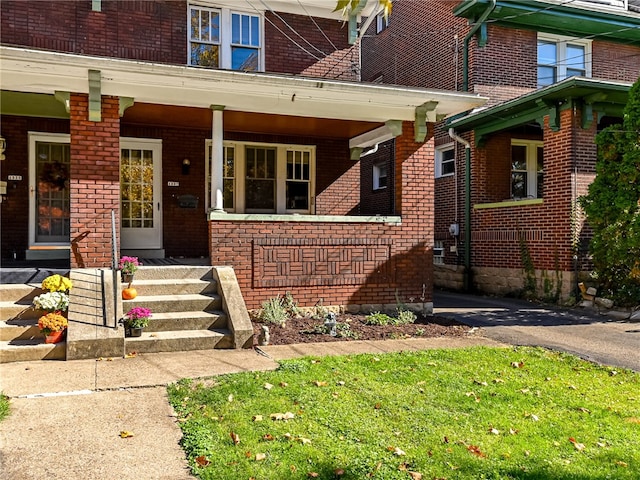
column 527, row 169
column 222, row 38
column 438, row 252
column 445, row 160
column 562, row 57
column 380, row 176
column 266, row 178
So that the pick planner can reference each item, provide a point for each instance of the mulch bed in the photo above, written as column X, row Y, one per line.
column 305, row 330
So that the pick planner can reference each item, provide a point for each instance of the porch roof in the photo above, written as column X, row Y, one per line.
column 603, row 97
column 44, row 72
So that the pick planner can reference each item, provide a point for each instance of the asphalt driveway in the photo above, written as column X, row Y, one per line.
column 582, row 332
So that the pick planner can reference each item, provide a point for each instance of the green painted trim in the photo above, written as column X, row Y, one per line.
column 355, row 153
column 420, row 125
column 256, row 217
column 31, row 105
column 508, row 203
column 217, row 107
column 564, row 19
column 96, row 5
column 95, row 96
column 536, row 104
column 395, row 126
column 64, row 98
column 125, row 102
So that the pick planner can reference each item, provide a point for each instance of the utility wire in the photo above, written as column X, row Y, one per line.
column 318, row 26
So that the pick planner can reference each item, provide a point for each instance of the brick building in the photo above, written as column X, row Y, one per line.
column 507, row 219
column 219, row 130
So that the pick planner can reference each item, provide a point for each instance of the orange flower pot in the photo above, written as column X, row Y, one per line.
column 54, row 337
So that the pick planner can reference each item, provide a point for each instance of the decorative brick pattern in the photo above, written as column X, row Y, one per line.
column 296, row 262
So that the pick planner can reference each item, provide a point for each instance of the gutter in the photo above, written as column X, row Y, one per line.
column 467, row 38
column 467, row 209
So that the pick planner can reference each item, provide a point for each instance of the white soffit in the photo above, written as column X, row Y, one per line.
column 314, row 8
column 47, row 72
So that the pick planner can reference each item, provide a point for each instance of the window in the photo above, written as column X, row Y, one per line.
column 382, row 22
column 562, row 57
column 527, row 169
column 379, row 176
column 221, row 38
column 438, row 252
column 266, row 178
column 445, row 160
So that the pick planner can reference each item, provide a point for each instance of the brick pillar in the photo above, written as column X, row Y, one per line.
column 415, row 190
column 95, row 181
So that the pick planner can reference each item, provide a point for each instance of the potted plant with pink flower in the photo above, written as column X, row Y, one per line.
column 135, row 320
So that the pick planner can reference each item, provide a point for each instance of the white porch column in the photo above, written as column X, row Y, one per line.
column 217, row 156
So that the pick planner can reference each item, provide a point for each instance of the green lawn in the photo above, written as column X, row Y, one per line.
column 4, row 406
column 476, row 413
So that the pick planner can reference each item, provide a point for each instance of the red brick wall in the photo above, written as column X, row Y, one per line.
column 377, row 202
column 546, row 227
column 14, row 229
column 139, row 30
column 95, row 181
column 294, row 44
column 339, row 263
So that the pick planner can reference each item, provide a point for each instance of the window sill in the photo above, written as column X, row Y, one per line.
column 509, row 203
column 256, row 217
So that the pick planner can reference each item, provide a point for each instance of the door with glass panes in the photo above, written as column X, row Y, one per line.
column 140, row 193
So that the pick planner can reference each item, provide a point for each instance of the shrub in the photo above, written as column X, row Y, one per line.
column 273, row 311
column 405, row 317
column 378, row 318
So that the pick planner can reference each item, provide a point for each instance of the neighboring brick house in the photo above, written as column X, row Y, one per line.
column 556, row 73
column 163, row 114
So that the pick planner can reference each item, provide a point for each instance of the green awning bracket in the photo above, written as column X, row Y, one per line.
column 483, row 36
column 355, row 153
column 96, row 5
column 64, row 98
column 125, row 102
column 551, row 109
column 425, row 112
column 95, row 96
column 587, row 115
column 353, row 21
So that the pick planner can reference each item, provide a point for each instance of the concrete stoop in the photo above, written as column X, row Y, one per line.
column 193, row 308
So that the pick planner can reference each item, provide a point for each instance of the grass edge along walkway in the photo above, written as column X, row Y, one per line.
column 492, row 413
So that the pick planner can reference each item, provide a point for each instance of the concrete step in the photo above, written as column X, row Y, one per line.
column 30, row 350
column 178, row 341
column 178, row 286
column 19, row 293
column 19, row 329
column 198, row 320
column 174, row 303
column 11, row 310
column 172, row 272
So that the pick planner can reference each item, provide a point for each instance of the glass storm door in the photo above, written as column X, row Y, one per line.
column 140, row 194
column 49, row 187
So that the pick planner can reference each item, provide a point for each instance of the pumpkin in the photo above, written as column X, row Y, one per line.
column 129, row 293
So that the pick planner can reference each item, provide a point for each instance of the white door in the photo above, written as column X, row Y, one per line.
column 140, row 193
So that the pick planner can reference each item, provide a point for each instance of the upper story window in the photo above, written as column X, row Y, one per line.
column 380, row 176
column 562, row 57
column 222, row 38
column 445, row 160
column 382, row 22
column 266, row 178
column 527, row 169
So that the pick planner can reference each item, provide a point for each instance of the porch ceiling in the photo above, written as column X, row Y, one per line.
column 191, row 117
column 31, row 71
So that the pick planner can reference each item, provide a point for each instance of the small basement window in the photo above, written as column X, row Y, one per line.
column 438, row 252
column 379, row 176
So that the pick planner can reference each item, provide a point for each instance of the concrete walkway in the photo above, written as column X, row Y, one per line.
column 66, row 417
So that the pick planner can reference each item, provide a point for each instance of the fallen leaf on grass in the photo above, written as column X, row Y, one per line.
column 338, row 472
column 476, row 451
column 313, row 474
column 494, row 431
column 478, row 382
column 620, row 463
column 415, row 475
column 576, row 444
column 303, row 441
column 268, row 386
column 126, row 434
column 284, row 384
column 230, row 397
column 399, row 452
column 235, row 438
column 633, row 420
column 282, row 416
column 257, row 418
column 498, row 380
column 318, row 383
column 268, row 437
column 202, row 461
column 584, row 410
column 517, row 364
column 260, row 456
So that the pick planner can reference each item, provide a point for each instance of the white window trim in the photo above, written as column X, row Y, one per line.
column 532, row 167
column 225, row 44
column 281, row 176
column 439, row 152
column 382, row 23
column 377, row 169
column 438, row 252
column 561, row 42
